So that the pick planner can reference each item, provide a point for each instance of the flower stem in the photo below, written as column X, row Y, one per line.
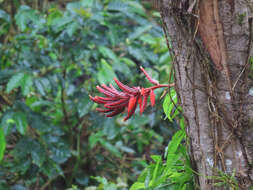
column 161, row 86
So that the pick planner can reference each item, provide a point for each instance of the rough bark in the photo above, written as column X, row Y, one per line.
column 211, row 45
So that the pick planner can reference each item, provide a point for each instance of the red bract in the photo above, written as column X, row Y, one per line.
column 115, row 102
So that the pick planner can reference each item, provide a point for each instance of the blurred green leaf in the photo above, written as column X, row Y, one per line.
column 138, row 186
column 4, row 16
column 38, row 154
column 54, row 15
column 19, row 187
column 87, row 3
column 139, row 31
column 2, row 144
column 127, row 61
column 24, row 15
column 95, row 138
column 60, row 154
column 123, row 148
column 84, row 106
column 108, row 53
column 14, row 82
column 72, row 28
column 105, row 74
column 26, row 84
column 110, row 148
column 21, row 79
column 165, row 58
column 21, row 122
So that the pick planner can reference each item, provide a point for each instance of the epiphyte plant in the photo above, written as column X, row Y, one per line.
column 115, row 102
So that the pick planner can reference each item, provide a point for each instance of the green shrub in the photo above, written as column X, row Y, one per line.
column 50, row 60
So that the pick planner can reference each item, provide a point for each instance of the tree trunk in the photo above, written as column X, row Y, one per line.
column 211, row 45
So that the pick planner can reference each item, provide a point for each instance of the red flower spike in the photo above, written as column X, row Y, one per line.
column 116, row 101
column 116, row 106
column 152, row 98
column 107, row 99
column 105, row 92
column 103, row 110
column 153, row 81
column 96, row 100
column 140, row 102
column 125, row 88
column 115, row 112
column 132, row 110
column 143, row 91
column 113, row 91
column 144, row 103
column 132, row 103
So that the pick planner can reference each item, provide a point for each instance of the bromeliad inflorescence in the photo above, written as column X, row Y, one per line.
column 115, row 102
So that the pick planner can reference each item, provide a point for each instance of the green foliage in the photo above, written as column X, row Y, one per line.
column 224, row 180
column 50, row 60
column 169, row 103
column 175, row 171
column 5, row 21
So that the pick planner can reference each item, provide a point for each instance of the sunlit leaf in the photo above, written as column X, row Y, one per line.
column 175, row 141
column 138, row 186
column 169, row 103
column 2, row 144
